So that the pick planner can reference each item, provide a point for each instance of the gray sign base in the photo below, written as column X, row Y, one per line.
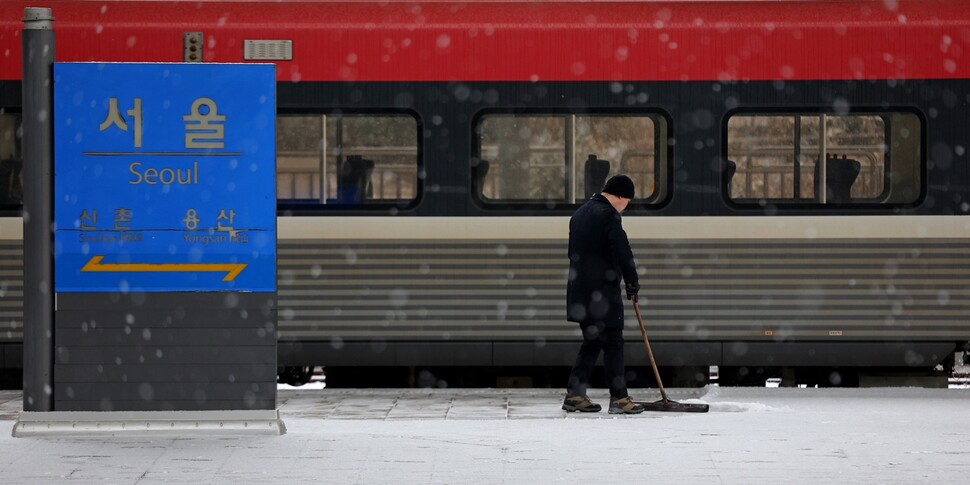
column 135, row 424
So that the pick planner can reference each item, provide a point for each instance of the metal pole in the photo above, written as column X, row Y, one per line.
column 822, row 155
column 323, row 160
column 570, row 143
column 797, row 174
column 38, row 153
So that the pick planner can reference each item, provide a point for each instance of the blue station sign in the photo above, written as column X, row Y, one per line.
column 164, row 177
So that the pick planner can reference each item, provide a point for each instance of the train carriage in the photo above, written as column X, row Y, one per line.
column 801, row 171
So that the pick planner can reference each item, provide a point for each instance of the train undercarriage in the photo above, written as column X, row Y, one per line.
column 637, row 376
column 784, row 364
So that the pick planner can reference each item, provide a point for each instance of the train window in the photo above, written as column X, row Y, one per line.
column 869, row 158
column 11, row 161
column 551, row 159
column 341, row 158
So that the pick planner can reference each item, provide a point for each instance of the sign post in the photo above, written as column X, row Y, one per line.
column 38, row 57
column 165, row 239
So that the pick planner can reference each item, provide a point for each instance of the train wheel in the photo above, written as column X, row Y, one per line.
column 295, row 376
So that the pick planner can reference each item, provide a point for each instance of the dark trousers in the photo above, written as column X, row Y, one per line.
column 597, row 337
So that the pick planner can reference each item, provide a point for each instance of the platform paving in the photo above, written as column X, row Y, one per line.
column 408, row 436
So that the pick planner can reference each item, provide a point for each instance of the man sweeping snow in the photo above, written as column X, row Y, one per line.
column 599, row 257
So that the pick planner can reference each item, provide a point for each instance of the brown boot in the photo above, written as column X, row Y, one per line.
column 581, row 404
column 625, row 406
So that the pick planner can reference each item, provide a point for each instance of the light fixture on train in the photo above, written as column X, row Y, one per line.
column 192, row 47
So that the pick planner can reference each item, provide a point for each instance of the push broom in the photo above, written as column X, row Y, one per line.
column 664, row 404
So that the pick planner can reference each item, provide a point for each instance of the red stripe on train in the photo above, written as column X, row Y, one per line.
column 551, row 41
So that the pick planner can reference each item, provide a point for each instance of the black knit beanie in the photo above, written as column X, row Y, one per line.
column 620, row 186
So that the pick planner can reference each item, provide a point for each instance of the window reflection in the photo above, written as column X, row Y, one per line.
column 347, row 158
column 563, row 158
column 869, row 158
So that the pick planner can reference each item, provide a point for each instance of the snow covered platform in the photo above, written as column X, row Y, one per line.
column 751, row 435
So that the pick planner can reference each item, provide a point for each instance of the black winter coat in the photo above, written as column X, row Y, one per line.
column 599, row 256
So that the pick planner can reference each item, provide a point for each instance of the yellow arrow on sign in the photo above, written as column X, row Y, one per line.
column 232, row 269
